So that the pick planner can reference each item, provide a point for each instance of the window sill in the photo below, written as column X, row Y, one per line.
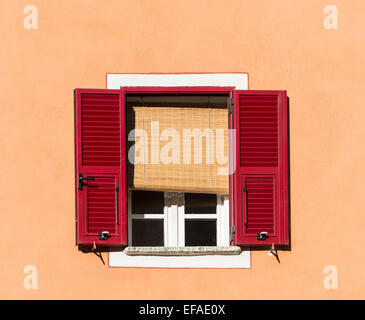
column 182, row 251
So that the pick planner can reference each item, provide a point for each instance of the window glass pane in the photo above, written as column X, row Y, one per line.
column 144, row 202
column 200, row 232
column 200, row 203
column 147, row 232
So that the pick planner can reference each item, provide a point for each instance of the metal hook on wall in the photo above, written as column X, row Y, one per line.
column 98, row 254
column 274, row 252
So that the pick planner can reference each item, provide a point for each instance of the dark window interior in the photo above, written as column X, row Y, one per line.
column 147, row 202
column 178, row 100
column 200, row 203
column 147, row 232
column 200, row 232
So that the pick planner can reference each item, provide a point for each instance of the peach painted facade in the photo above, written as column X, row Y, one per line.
column 280, row 44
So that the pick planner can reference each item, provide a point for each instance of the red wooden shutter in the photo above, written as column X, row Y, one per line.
column 101, row 205
column 260, row 181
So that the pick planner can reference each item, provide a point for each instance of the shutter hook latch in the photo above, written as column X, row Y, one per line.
column 262, row 236
column 97, row 253
column 82, row 179
column 274, row 252
column 104, row 235
column 272, row 248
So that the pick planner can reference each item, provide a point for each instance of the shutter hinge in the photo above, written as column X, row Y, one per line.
column 230, row 108
column 233, row 231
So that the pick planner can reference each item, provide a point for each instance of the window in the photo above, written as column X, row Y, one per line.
column 256, row 212
column 175, row 219
column 200, row 219
column 147, row 218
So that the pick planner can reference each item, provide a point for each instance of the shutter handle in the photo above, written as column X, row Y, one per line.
column 82, row 183
column 262, row 235
column 104, row 235
column 245, row 191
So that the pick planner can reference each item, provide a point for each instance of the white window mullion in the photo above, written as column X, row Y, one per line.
column 181, row 226
column 129, row 209
column 148, row 216
column 171, row 226
column 166, row 226
column 219, row 220
column 223, row 209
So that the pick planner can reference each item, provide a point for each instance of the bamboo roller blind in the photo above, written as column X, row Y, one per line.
column 183, row 177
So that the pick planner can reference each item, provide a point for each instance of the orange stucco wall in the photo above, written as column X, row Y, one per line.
column 281, row 44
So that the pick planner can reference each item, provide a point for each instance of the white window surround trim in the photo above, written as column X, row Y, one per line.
column 240, row 82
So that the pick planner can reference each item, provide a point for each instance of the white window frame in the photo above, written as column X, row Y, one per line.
column 237, row 80
column 174, row 220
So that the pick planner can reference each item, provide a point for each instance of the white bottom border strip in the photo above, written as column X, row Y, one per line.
column 120, row 259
